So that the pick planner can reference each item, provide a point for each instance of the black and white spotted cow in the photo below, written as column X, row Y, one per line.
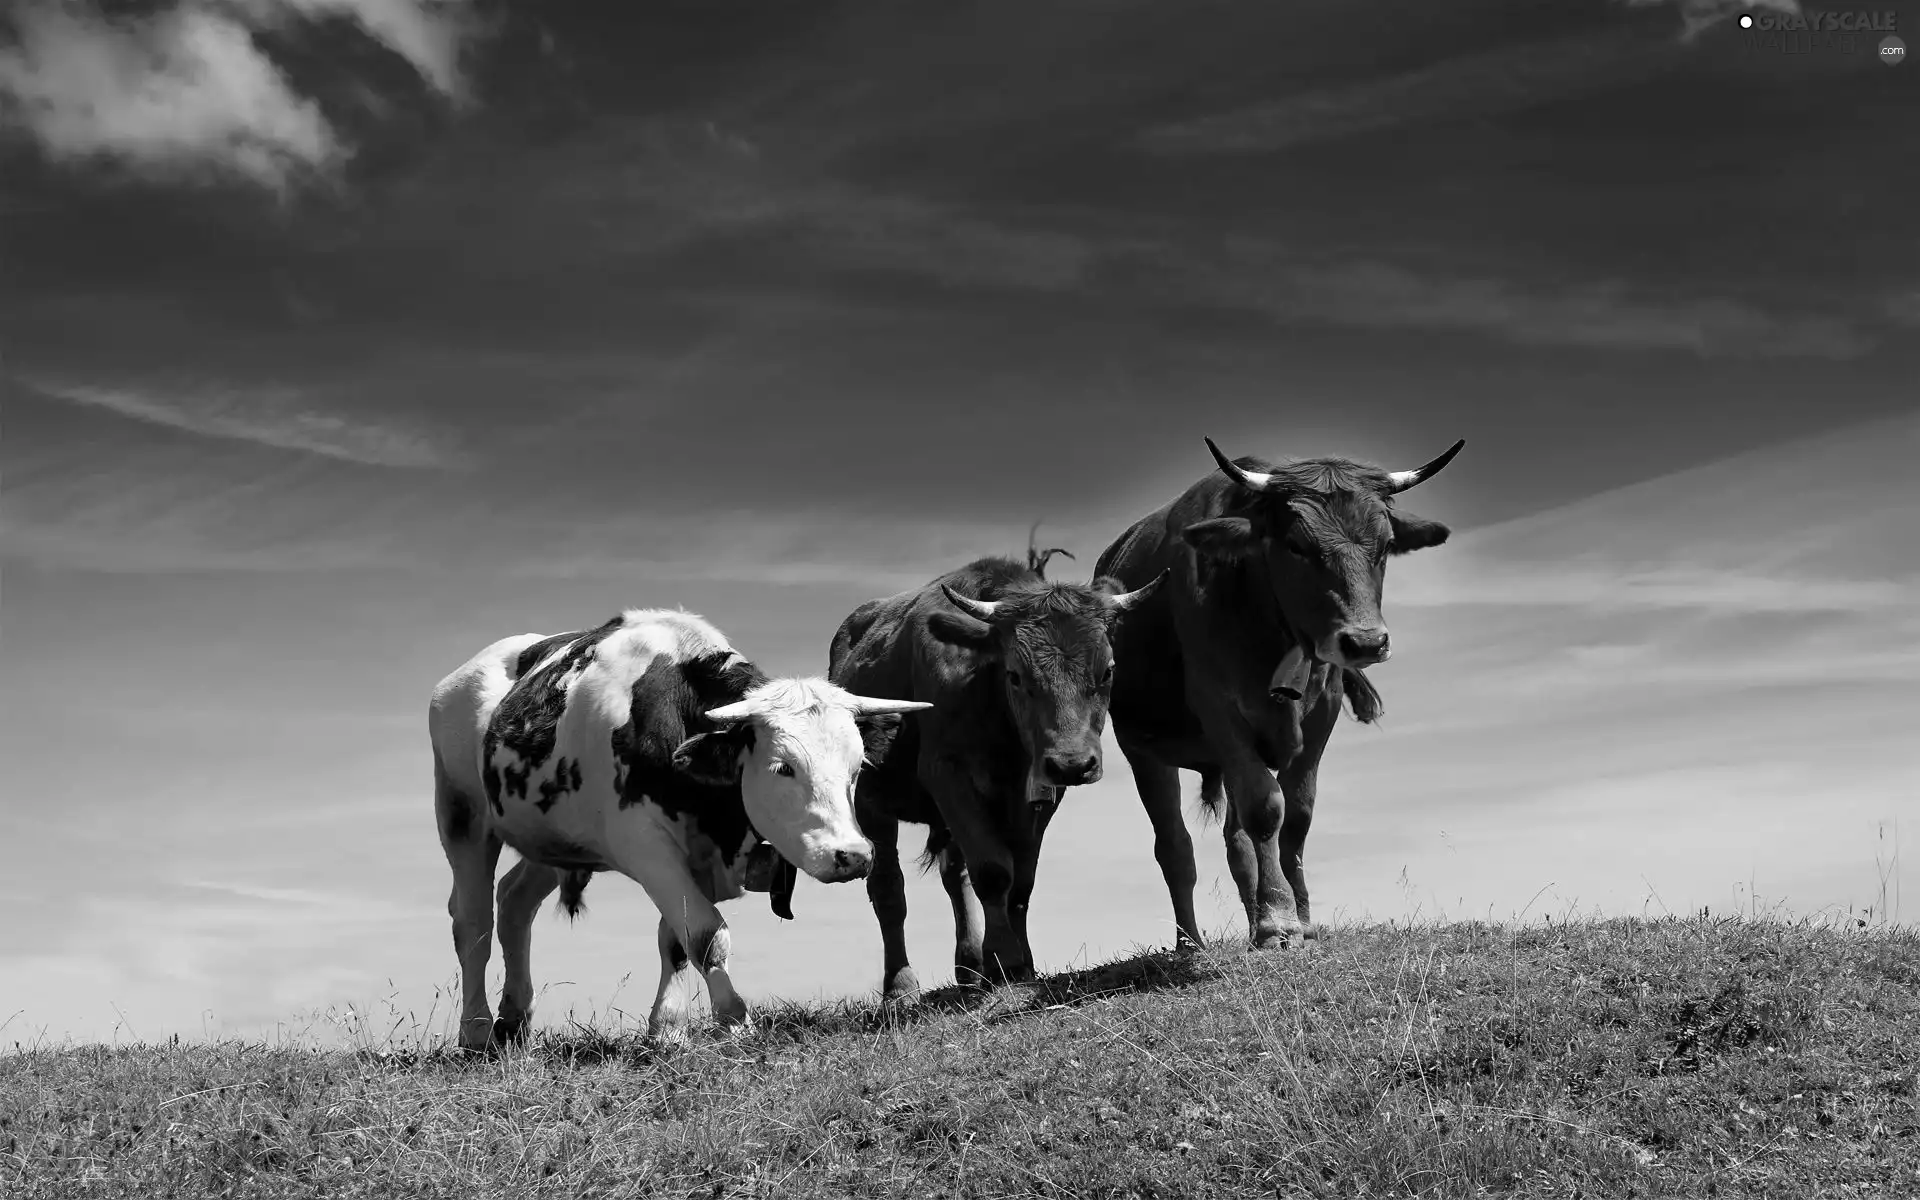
column 649, row 747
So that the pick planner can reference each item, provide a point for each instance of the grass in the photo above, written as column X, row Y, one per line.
column 1623, row 1058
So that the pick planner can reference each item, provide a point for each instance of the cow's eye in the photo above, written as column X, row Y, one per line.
column 783, row 769
column 1106, row 676
column 1304, row 548
column 1016, row 678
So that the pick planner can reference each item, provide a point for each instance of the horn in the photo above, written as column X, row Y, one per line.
column 873, row 706
column 1256, row 481
column 727, row 714
column 1402, row 480
column 982, row 610
column 1128, row 601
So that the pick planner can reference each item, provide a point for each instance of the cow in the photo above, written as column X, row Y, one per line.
column 1017, row 670
column 1238, row 669
column 646, row 746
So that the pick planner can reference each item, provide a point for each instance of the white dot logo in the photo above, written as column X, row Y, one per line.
column 1746, row 20
column 1893, row 51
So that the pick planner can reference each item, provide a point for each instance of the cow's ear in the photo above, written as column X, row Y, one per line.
column 958, row 629
column 1415, row 533
column 713, row 758
column 877, row 733
column 1220, row 537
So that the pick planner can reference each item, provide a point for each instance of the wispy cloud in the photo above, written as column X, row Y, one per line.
column 1603, row 314
column 188, row 90
column 1809, row 527
column 1607, row 589
column 284, row 417
column 1697, row 16
column 1464, row 88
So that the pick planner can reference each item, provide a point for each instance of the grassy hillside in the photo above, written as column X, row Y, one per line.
column 1677, row 1058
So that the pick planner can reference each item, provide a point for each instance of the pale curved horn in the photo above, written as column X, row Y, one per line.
column 1128, row 601
column 873, row 706
column 726, row 714
column 982, row 610
column 1402, row 480
column 1257, row 481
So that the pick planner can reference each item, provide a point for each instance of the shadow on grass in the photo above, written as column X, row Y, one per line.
column 778, row 1025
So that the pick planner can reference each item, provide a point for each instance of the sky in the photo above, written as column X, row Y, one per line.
column 340, row 338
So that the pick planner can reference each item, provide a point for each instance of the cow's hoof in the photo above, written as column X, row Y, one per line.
column 509, row 1032
column 901, row 990
column 669, row 1033
column 476, row 1036
column 1276, row 937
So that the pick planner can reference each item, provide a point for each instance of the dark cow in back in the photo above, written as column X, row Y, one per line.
column 1238, row 668
column 1018, row 670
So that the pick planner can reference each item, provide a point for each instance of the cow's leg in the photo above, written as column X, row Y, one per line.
column 990, row 867
column 969, row 955
column 679, row 985
column 1159, row 788
column 649, row 855
column 520, row 895
column 1258, row 805
column 1298, row 782
column 887, row 892
column 473, row 852
column 1026, row 867
column 1242, row 864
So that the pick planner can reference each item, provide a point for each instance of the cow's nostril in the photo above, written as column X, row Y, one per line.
column 1364, row 645
column 1069, row 769
column 851, row 864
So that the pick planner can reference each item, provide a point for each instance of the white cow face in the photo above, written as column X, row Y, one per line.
column 796, row 747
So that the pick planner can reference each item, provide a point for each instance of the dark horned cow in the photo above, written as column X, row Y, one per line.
column 1017, row 670
column 648, row 747
column 1237, row 671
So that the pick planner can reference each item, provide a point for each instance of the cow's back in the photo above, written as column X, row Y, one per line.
column 870, row 654
column 463, row 704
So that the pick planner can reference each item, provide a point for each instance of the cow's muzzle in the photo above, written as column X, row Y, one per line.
column 1070, row 770
column 1364, row 647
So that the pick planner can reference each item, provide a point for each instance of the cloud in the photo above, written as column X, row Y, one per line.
column 1604, row 588
column 1808, row 527
column 1603, row 314
column 1457, row 89
column 1479, row 85
column 187, row 90
column 1697, row 16
column 281, row 417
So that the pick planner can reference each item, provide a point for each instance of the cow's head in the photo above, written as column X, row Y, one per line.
column 796, row 747
column 1050, row 641
column 1319, row 533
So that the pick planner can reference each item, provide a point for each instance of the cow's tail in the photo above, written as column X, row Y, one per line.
column 939, row 837
column 573, row 884
column 1362, row 697
column 1212, row 795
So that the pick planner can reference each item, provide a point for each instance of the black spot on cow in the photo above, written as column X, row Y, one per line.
column 669, row 705
column 528, row 718
column 566, row 779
